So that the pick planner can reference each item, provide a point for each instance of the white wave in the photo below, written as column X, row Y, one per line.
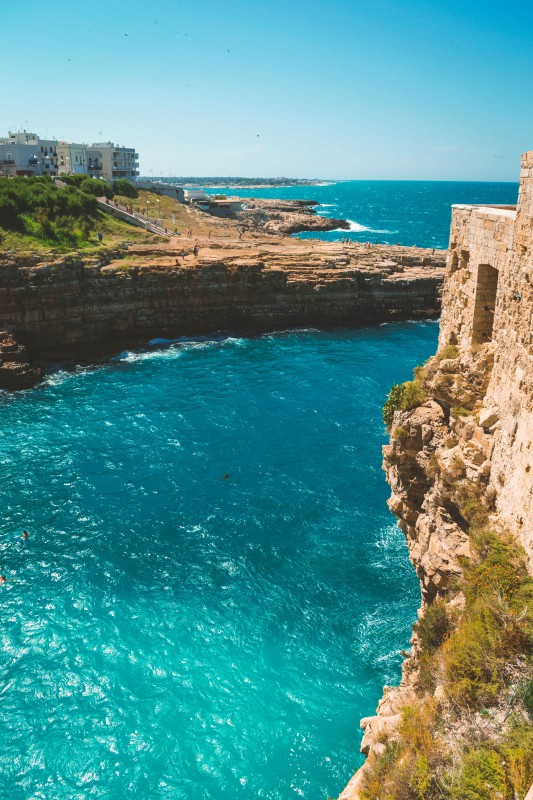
column 169, row 349
column 57, row 378
column 356, row 227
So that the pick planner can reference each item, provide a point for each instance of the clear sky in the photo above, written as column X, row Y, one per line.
column 399, row 89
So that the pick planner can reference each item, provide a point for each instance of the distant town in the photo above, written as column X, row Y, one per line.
column 24, row 153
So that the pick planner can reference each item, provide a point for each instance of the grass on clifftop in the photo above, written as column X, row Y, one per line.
column 38, row 216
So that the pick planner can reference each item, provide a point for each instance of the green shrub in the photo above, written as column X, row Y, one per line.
column 401, row 433
column 517, row 747
column 402, row 397
column 450, row 351
column 502, row 568
column 40, row 209
column 96, row 188
column 9, row 213
column 473, row 660
column 496, row 631
column 485, row 657
column 125, row 188
column 73, row 180
column 460, row 411
column 482, row 776
column 433, row 627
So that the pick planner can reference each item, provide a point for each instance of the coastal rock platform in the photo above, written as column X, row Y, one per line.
column 284, row 217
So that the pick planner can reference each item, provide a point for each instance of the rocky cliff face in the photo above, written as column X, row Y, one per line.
column 439, row 465
column 459, row 464
column 15, row 370
column 63, row 306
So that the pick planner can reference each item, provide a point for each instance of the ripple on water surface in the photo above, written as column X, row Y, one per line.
column 170, row 633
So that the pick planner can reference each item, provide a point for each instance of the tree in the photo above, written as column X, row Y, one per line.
column 125, row 188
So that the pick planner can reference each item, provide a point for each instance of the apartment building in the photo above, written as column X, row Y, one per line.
column 71, row 159
column 111, row 161
column 24, row 153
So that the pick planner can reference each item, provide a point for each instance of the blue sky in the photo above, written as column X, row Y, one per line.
column 334, row 89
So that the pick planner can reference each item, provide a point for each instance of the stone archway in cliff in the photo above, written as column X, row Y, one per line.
column 485, row 304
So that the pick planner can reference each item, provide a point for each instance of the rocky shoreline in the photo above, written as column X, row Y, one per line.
column 86, row 309
column 285, row 217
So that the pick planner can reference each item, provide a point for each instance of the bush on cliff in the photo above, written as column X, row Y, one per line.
column 402, row 397
column 483, row 660
column 451, row 351
column 9, row 213
column 96, row 188
column 73, row 180
column 125, row 188
column 40, row 209
column 433, row 627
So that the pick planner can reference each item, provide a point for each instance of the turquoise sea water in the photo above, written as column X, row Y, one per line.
column 169, row 632
column 390, row 212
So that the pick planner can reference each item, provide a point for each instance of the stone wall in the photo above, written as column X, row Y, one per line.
column 490, row 274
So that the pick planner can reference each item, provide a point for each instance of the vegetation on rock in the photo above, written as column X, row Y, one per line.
column 468, row 733
column 477, row 743
column 402, row 397
column 125, row 188
column 37, row 207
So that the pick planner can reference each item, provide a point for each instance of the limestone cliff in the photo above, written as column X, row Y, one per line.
column 66, row 306
column 459, row 465
column 15, row 370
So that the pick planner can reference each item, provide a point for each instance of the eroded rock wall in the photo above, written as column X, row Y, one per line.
column 71, row 303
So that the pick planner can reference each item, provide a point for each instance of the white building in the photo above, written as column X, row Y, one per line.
column 111, row 161
column 71, row 159
column 24, row 153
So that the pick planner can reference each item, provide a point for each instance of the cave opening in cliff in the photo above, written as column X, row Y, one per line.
column 485, row 304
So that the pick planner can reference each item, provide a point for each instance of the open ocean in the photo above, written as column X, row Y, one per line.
column 213, row 591
column 389, row 212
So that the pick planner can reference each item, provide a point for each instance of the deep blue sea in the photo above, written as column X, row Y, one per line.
column 389, row 212
column 213, row 591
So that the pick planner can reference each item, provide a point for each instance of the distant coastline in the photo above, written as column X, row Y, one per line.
column 230, row 182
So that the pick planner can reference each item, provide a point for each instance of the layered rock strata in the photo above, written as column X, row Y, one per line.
column 16, row 372
column 61, row 307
